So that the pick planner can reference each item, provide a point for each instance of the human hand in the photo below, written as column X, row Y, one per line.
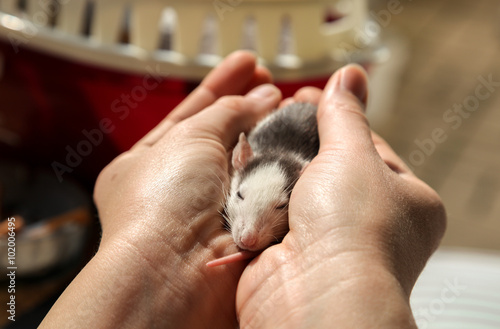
column 362, row 227
column 163, row 197
column 158, row 205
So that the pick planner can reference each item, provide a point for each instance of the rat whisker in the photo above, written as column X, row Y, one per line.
column 289, row 188
column 226, row 222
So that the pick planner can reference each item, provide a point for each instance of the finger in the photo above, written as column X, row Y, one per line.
column 231, row 77
column 303, row 95
column 341, row 119
column 393, row 161
column 308, row 95
column 286, row 102
column 231, row 115
column 261, row 76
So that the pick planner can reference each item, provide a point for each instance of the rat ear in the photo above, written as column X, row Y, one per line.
column 242, row 153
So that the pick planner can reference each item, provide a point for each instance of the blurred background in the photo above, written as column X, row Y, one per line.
column 453, row 46
column 80, row 82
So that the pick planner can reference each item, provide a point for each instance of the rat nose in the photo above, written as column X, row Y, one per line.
column 248, row 240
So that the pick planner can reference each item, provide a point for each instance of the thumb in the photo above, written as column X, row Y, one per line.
column 341, row 113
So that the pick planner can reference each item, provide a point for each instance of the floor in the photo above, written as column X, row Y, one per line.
column 444, row 124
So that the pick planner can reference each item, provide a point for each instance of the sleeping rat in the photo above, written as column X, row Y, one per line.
column 266, row 167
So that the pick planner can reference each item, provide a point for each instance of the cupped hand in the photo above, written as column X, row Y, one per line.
column 362, row 227
column 159, row 202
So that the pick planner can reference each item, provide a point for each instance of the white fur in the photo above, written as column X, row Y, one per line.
column 263, row 191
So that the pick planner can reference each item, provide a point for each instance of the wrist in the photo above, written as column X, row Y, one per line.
column 302, row 294
column 367, row 289
column 124, row 287
column 108, row 292
column 178, row 290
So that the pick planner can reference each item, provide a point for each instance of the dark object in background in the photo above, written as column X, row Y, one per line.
column 50, row 219
column 44, row 234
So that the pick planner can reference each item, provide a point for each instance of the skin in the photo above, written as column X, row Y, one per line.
column 361, row 224
column 360, row 250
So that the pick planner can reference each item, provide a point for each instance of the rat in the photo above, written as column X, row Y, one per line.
column 266, row 166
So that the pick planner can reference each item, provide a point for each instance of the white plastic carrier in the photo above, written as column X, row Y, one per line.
column 296, row 39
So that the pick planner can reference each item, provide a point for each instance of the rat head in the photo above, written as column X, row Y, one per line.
column 257, row 206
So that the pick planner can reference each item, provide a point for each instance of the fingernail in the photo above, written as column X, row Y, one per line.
column 263, row 91
column 354, row 80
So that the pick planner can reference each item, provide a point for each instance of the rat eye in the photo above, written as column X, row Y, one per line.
column 282, row 206
column 239, row 195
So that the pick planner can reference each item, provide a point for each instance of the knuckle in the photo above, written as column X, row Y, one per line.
column 352, row 110
column 231, row 102
column 427, row 214
column 183, row 130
